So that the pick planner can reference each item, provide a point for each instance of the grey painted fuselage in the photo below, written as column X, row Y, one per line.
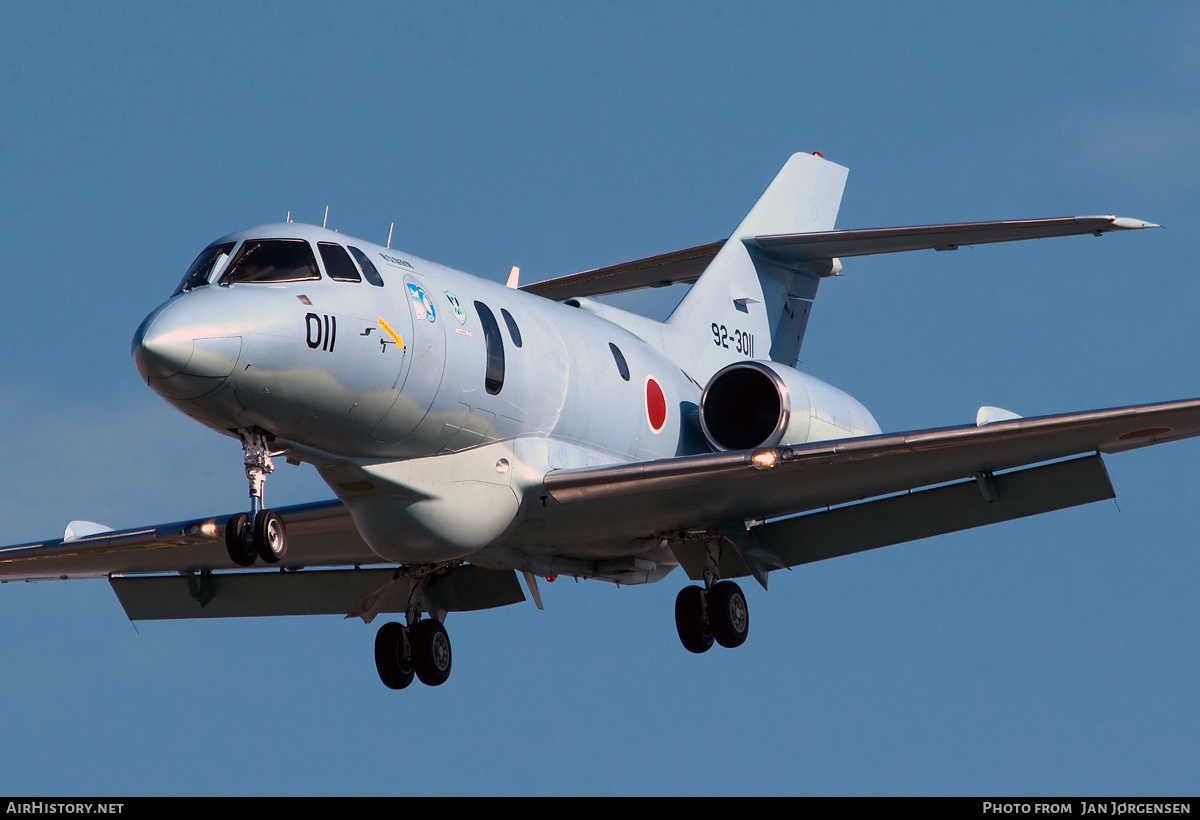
column 385, row 390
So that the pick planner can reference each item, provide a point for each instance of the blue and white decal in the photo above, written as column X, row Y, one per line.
column 422, row 304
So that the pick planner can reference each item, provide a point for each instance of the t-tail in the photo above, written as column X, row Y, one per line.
column 750, row 303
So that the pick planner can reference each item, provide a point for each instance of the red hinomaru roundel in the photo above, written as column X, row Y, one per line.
column 656, row 405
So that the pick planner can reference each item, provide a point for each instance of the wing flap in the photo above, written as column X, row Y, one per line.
column 909, row 517
column 313, row 592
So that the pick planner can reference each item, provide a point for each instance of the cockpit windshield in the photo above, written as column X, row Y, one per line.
column 202, row 269
column 272, row 260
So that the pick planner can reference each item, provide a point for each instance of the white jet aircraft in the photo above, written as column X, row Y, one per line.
column 471, row 431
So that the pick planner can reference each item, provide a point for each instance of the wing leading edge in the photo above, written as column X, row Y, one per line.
column 686, row 265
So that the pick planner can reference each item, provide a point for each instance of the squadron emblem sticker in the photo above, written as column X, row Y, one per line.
column 459, row 313
column 422, row 304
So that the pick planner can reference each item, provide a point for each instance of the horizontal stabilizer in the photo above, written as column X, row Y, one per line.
column 803, row 247
column 652, row 272
column 685, row 266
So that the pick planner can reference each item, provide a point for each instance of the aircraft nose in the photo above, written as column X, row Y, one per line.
column 180, row 355
column 159, row 349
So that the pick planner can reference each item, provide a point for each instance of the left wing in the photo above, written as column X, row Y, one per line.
column 685, row 266
column 726, row 491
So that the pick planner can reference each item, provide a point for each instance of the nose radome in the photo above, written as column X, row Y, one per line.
column 161, row 349
column 179, row 354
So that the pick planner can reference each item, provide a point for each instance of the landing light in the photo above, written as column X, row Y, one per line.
column 763, row 459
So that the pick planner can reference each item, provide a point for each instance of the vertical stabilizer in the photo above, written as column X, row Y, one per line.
column 748, row 305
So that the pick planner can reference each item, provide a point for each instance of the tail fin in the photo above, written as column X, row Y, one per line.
column 747, row 304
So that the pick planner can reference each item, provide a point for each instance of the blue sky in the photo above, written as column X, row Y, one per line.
column 1055, row 655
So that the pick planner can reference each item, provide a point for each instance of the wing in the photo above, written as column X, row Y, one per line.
column 978, row 469
column 685, row 266
column 167, row 571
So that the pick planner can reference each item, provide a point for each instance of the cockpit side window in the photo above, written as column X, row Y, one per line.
column 200, row 271
column 272, row 260
column 369, row 270
column 337, row 262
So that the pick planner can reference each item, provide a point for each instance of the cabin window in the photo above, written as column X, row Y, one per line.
column 272, row 260
column 201, row 270
column 493, row 379
column 337, row 262
column 619, row 358
column 513, row 331
column 370, row 272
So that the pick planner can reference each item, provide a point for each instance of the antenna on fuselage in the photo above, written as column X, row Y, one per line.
column 513, row 276
column 326, row 219
column 391, row 228
column 289, row 218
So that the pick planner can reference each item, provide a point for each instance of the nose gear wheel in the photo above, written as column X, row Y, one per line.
column 260, row 533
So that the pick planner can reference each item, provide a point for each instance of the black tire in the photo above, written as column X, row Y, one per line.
column 270, row 536
column 239, row 541
column 728, row 614
column 690, row 620
column 430, row 652
column 393, row 656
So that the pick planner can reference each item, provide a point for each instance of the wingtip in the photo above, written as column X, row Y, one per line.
column 1129, row 224
column 1117, row 223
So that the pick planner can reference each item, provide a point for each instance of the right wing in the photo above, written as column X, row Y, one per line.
column 685, row 266
column 166, row 571
column 319, row 534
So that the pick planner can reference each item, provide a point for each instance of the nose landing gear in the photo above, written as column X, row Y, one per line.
column 261, row 533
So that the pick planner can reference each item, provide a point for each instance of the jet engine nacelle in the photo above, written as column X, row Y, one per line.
column 761, row 404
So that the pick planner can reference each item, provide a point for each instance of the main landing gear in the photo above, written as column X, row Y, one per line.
column 261, row 533
column 422, row 650
column 718, row 612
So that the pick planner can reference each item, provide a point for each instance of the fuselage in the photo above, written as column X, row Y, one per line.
column 355, row 357
column 431, row 401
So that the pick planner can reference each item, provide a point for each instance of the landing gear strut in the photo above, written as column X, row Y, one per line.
column 261, row 533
